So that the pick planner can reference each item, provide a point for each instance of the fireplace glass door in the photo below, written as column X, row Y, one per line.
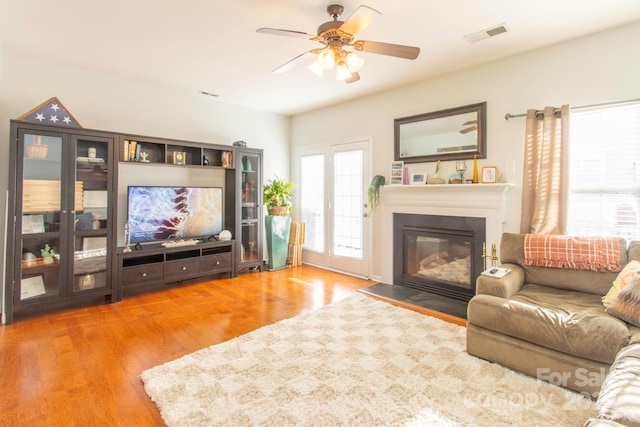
column 439, row 258
column 439, row 254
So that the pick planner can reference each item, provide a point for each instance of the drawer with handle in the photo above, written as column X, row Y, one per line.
column 218, row 262
column 139, row 274
column 181, row 269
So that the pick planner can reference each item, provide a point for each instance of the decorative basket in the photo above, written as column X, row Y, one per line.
column 278, row 211
column 37, row 150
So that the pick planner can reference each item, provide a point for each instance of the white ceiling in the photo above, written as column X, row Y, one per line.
column 212, row 45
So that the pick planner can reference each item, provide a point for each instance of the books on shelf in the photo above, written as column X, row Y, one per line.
column 131, row 151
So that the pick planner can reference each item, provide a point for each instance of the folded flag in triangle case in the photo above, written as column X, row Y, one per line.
column 51, row 112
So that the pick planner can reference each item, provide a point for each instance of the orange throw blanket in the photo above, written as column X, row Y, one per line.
column 579, row 253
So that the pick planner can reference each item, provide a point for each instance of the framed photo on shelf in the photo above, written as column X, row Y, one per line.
column 418, row 179
column 397, row 173
column 32, row 287
column 489, row 175
column 32, row 224
column 179, row 158
column 94, row 243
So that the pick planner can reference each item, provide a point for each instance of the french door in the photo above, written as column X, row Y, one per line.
column 333, row 206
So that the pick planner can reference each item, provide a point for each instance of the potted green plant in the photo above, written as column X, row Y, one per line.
column 277, row 196
column 47, row 254
column 374, row 191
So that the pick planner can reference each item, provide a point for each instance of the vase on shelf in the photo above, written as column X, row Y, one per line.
column 37, row 150
column 435, row 180
column 475, row 169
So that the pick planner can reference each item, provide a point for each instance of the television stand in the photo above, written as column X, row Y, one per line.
column 156, row 265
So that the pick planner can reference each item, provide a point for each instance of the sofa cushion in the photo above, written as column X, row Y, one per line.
column 571, row 322
column 626, row 305
column 620, row 393
column 630, row 274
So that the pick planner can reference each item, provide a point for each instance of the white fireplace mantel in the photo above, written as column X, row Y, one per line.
column 465, row 200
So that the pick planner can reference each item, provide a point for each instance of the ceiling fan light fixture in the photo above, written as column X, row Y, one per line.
column 316, row 68
column 326, row 58
column 342, row 71
column 354, row 62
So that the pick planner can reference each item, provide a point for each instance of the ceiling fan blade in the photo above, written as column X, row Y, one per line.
column 354, row 78
column 289, row 65
column 389, row 49
column 360, row 19
column 286, row 33
column 467, row 130
column 470, row 122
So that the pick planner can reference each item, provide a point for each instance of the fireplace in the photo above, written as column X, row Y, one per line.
column 439, row 254
column 485, row 202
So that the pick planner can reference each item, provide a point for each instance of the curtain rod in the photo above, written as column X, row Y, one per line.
column 582, row 107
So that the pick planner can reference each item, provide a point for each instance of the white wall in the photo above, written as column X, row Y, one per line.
column 106, row 102
column 595, row 69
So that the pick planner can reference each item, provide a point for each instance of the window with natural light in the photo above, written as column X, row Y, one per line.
column 312, row 200
column 604, row 178
column 348, row 202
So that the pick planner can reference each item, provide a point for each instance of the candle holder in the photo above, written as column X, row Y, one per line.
column 127, row 238
column 461, row 167
column 494, row 255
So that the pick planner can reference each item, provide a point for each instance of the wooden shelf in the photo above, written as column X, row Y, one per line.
column 143, row 149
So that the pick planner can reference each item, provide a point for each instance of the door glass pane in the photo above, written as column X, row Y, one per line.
column 348, row 204
column 41, row 206
column 251, row 211
column 312, row 200
column 89, row 201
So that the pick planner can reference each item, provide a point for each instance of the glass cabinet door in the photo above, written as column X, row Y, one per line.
column 90, row 207
column 251, row 208
column 62, row 221
column 40, row 218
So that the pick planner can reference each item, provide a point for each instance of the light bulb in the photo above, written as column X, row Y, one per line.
column 342, row 71
column 316, row 68
column 326, row 59
column 354, row 62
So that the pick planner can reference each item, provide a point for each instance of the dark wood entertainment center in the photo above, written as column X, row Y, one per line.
column 156, row 265
column 70, row 196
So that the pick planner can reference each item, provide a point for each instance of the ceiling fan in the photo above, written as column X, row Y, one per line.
column 473, row 125
column 337, row 35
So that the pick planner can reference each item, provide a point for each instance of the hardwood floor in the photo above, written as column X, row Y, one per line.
column 82, row 367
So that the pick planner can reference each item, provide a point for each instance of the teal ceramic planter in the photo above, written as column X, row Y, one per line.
column 277, row 230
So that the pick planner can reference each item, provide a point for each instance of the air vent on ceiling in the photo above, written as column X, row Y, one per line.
column 485, row 34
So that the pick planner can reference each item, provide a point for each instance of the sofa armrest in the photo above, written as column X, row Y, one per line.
column 504, row 287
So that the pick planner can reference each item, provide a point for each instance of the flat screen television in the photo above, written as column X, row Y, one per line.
column 162, row 213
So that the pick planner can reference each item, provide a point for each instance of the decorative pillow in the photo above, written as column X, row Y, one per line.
column 629, row 274
column 626, row 305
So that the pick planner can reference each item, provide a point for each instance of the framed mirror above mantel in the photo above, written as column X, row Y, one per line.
column 453, row 134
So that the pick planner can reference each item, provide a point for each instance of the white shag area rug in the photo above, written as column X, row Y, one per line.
column 357, row 362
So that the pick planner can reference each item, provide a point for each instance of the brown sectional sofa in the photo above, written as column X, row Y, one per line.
column 550, row 323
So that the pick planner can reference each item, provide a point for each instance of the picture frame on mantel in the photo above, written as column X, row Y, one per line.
column 397, row 173
column 489, row 175
column 418, row 179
